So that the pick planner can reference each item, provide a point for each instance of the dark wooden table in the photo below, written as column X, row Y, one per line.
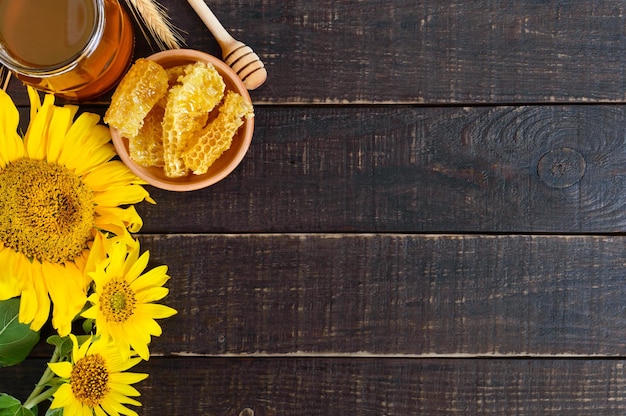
column 429, row 220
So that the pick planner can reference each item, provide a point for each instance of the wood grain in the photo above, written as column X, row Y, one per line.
column 459, row 295
column 429, row 219
column 426, row 52
column 303, row 386
column 517, row 169
column 504, row 169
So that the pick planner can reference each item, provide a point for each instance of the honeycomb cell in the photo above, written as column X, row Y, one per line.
column 217, row 137
column 186, row 112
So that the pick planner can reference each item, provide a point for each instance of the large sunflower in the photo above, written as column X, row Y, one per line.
column 60, row 190
column 95, row 381
column 123, row 299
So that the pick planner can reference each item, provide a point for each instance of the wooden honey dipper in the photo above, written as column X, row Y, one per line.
column 240, row 57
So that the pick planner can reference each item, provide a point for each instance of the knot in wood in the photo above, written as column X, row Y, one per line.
column 246, row 412
column 561, row 168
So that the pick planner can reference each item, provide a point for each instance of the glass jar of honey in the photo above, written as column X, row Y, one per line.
column 76, row 49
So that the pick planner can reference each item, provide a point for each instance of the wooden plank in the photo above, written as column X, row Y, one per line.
column 548, row 169
column 429, row 51
column 324, row 386
column 457, row 295
column 509, row 169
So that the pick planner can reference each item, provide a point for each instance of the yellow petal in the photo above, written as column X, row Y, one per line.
column 127, row 195
column 91, row 313
column 152, row 278
column 114, row 408
column 117, row 255
column 128, row 378
column 94, row 158
column 97, row 253
column 62, row 369
column 35, row 304
column 36, row 138
column 9, row 116
column 84, row 138
column 59, row 124
column 63, row 397
column 10, row 286
column 79, row 351
column 99, row 412
column 65, row 285
column 35, row 101
column 123, row 365
column 11, row 145
column 134, row 267
column 156, row 311
column 151, row 295
column 132, row 257
column 119, row 392
column 113, row 174
column 114, row 219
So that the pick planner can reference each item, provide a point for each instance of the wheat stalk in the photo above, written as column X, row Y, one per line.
column 155, row 18
column 5, row 77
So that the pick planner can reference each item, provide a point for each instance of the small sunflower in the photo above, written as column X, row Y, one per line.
column 95, row 381
column 60, row 190
column 122, row 300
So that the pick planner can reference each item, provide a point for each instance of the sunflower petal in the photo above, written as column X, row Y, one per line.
column 63, row 397
column 152, row 278
column 114, row 219
column 99, row 412
column 128, row 378
column 152, row 294
column 10, row 286
column 59, row 124
column 119, row 391
column 111, row 175
column 127, row 195
column 36, row 138
column 61, row 369
column 12, row 146
column 35, row 101
column 134, row 267
column 158, row 311
column 66, row 289
column 35, row 304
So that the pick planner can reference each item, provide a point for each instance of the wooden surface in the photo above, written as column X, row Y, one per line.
column 430, row 219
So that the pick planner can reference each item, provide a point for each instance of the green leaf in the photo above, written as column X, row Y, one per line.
column 54, row 412
column 10, row 406
column 16, row 339
column 88, row 325
column 62, row 344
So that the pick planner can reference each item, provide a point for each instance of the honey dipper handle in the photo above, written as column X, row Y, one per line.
column 221, row 35
column 240, row 57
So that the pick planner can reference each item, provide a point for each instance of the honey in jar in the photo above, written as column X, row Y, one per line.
column 77, row 49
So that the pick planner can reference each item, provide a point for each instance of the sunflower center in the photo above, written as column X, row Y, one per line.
column 90, row 380
column 46, row 211
column 117, row 301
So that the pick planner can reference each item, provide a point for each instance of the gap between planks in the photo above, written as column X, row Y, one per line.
column 366, row 355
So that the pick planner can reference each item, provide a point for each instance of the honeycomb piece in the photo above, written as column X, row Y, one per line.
column 139, row 90
column 188, row 105
column 174, row 73
column 146, row 148
column 217, row 137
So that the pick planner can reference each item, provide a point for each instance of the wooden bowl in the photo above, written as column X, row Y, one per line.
column 226, row 163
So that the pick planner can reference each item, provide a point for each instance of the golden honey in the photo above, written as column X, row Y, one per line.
column 77, row 49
